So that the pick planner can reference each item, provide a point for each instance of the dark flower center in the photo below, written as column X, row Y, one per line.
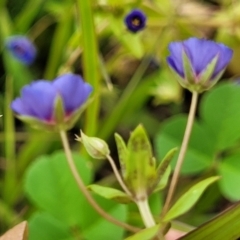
column 136, row 21
column 18, row 49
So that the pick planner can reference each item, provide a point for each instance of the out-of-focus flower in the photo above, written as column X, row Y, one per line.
column 135, row 20
column 22, row 49
column 53, row 105
column 198, row 63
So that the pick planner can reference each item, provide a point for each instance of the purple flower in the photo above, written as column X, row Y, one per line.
column 135, row 20
column 52, row 103
column 22, row 49
column 198, row 62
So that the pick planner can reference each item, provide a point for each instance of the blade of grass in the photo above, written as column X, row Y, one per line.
column 90, row 62
column 224, row 226
column 60, row 38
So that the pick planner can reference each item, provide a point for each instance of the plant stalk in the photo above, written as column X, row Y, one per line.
column 118, row 176
column 83, row 189
column 145, row 212
column 182, row 152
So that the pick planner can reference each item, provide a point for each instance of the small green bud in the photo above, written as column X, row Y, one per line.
column 96, row 147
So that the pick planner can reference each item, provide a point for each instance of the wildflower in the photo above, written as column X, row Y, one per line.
column 198, row 63
column 135, row 20
column 55, row 104
column 22, row 49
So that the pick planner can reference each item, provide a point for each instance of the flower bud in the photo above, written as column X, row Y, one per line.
column 96, row 147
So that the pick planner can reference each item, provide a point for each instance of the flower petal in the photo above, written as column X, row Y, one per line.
column 135, row 20
column 73, row 90
column 37, row 100
column 200, row 52
column 175, row 58
column 225, row 56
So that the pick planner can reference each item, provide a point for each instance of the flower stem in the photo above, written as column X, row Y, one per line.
column 83, row 189
column 118, row 176
column 10, row 175
column 145, row 213
column 182, row 152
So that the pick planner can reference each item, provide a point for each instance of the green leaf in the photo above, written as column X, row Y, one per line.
column 56, row 187
column 53, row 228
column 205, row 77
column 188, row 199
column 58, row 195
column 224, row 226
column 110, row 193
column 199, row 154
column 164, row 180
column 146, row 234
column 229, row 170
column 163, row 166
column 220, row 111
column 91, row 68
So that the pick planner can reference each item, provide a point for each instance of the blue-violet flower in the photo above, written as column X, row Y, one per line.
column 198, row 63
column 52, row 105
column 135, row 20
column 22, row 49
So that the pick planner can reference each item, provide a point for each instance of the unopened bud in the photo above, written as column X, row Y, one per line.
column 96, row 147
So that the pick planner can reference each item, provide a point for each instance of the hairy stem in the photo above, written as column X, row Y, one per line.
column 118, row 176
column 182, row 152
column 83, row 189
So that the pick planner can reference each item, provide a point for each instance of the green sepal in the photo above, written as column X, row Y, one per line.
column 36, row 123
column 110, row 193
column 188, row 70
column 72, row 119
column 188, row 199
column 122, row 153
column 62, row 122
column 206, row 75
column 213, row 81
column 96, row 147
column 140, row 165
column 201, row 82
column 59, row 113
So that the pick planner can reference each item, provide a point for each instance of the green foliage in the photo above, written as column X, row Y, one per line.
column 89, row 37
column 188, row 199
column 224, row 226
column 110, row 193
column 146, row 234
column 51, row 187
column 214, row 140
